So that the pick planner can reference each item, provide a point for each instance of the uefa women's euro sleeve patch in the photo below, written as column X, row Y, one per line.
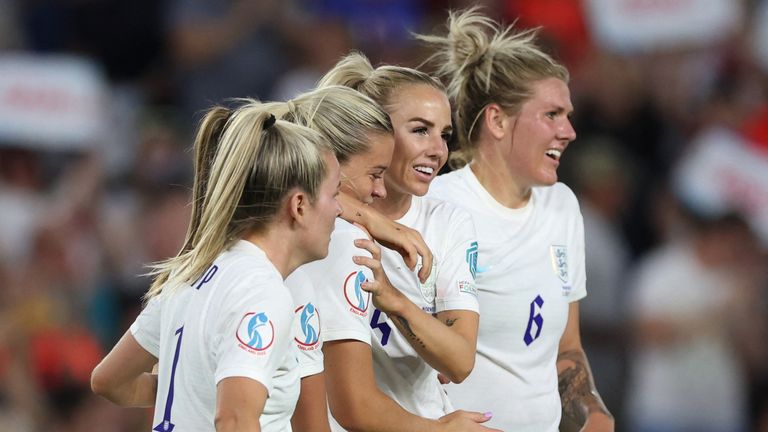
column 255, row 333
column 357, row 299
column 307, row 327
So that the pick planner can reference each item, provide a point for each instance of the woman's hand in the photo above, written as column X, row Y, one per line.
column 390, row 234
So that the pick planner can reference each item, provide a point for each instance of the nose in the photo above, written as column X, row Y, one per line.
column 379, row 190
column 438, row 147
column 566, row 131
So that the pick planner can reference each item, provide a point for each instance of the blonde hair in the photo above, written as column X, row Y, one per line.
column 343, row 116
column 486, row 63
column 355, row 71
column 245, row 164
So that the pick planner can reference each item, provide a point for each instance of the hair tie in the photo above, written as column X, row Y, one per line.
column 269, row 122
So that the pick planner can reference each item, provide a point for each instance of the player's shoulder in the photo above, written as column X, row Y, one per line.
column 345, row 230
column 446, row 184
column 246, row 267
column 558, row 196
column 443, row 209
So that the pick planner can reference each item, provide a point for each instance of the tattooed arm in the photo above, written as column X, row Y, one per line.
column 582, row 405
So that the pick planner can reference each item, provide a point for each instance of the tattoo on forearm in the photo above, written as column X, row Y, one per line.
column 408, row 332
column 577, row 389
column 451, row 321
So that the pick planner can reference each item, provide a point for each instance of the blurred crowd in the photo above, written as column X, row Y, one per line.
column 670, row 166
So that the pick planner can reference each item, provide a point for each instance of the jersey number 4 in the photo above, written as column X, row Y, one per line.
column 383, row 327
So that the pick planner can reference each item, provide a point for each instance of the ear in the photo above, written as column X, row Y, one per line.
column 298, row 207
column 495, row 120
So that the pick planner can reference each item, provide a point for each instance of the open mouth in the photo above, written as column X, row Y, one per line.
column 554, row 154
column 428, row 171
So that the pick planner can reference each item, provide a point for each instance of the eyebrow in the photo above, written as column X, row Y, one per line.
column 561, row 109
column 429, row 123
column 421, row 119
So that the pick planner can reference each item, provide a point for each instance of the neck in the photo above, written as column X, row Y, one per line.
column 278, row 247
column 499, row 181
column 395, row 205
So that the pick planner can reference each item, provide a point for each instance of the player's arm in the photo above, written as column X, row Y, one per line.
column 125, row 376
column 311, row 413
column 358, row 405
column 392, row 235
column 581, row 402
column 239, row 404
column 447, row 343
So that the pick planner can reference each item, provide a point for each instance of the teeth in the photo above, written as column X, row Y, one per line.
column 554, row 153
column 426, row 170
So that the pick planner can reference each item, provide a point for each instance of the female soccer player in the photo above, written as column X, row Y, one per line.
column 512, row 113
column 218, row 318
column 395, row 370
column 360, row 134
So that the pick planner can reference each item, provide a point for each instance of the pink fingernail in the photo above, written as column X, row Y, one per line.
column 488, row 414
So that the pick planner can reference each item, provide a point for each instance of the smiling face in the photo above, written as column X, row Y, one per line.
column 362, row 175
column 541, row 131
column 421, row 117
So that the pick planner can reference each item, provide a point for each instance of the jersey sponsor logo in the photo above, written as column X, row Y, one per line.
column 429, row 287
column 534, row 318
column 307, row 332
column 255, row 333
column 471, row 257
column 559, row 255
column 356, row 297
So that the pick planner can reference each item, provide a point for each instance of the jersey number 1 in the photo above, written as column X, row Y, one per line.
column 166, row 425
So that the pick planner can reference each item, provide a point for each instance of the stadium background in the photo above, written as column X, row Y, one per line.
column 98, row 99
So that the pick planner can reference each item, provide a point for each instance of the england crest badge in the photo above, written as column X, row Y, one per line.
column 559, row 256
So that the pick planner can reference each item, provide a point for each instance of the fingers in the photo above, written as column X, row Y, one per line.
column 373, row 264
column 426, row 266
column 370, row 246
column 410, row 255
column 473, row 416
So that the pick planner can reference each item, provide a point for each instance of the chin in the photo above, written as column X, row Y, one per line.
column 419, row 190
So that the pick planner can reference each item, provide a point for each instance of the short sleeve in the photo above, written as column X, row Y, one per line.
column 344, row 305
column 255, row 330
column 308, row 323
column 146, row 328
column 457, row 268
column 576, row 237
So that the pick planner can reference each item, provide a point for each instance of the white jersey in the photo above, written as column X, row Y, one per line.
column 530, row 267
column 235, row 321
column 450, row 234
column 336, row 279
column 307, row 328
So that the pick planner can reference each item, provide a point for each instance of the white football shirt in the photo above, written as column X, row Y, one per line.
column 336, row 279
column 450, row 234
column 308, row 324
column 235, row 321
column 530, row 268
